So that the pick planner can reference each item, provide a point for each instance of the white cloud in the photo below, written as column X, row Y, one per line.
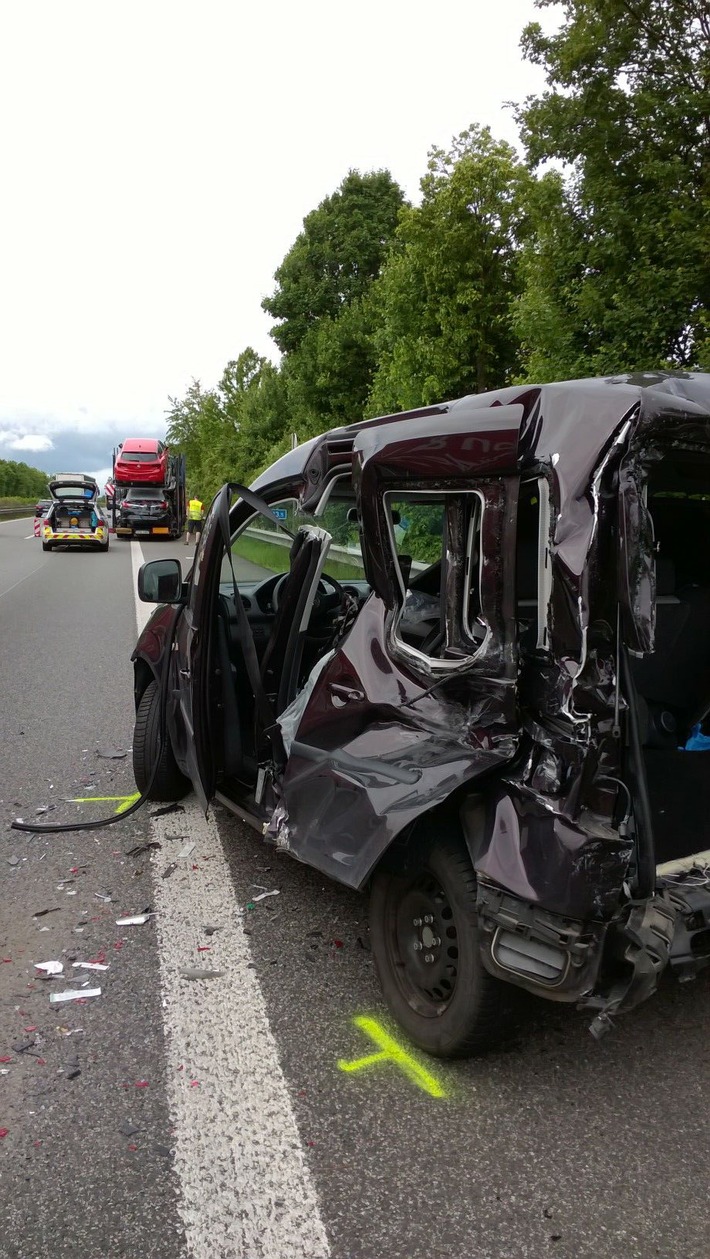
column 37, row 442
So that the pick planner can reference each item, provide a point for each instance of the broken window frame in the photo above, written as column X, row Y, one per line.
column 462, row 598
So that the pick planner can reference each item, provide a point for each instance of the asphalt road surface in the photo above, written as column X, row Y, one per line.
column 176, row 1117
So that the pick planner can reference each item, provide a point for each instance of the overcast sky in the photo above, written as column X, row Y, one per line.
column 157, row 160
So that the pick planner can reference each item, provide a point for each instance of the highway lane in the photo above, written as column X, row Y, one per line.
column 70, row 1177
column 558, row 1145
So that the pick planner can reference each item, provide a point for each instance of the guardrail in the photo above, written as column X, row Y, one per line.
column 336, row 551
column 17, row 512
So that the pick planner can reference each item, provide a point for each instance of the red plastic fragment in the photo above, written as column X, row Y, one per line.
column 41, row 1062
column 195, row 867
column 181, row 1067
column 7, row 959
column 204, row 948
column 3, row 1132
column 31, row 1028
column 194, row 1084
column 338, row 944
column 133, row 1147
column 141, row 1084
column 6, row 1058
column 36, row 1144
column 310, row 1143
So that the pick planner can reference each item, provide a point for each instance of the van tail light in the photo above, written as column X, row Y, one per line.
column 164, row 505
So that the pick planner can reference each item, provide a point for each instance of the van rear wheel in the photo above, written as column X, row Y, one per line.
column 424, row 933
column 169, row 782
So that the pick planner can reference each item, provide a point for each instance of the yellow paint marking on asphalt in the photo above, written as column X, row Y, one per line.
column 126, row 801
column 391, row 1051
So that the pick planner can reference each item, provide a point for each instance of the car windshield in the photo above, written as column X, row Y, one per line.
column 73, row 491
column 260, row 549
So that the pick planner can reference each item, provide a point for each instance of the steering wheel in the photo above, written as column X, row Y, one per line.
column 325, row 601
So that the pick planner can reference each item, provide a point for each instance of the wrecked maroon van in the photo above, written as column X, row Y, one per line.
column 461, row 656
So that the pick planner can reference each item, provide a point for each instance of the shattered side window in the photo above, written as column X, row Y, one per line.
column 260, row 549
column 436, row 544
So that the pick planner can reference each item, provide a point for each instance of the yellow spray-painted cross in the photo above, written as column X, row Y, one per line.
column 125, row 801
column 390, row 1051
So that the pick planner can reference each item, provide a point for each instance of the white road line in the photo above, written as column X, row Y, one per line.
column 25, row 578
column 246, row 1191
column 29, row 535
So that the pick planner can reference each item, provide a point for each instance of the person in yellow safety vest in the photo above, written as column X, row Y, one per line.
column 195, row 516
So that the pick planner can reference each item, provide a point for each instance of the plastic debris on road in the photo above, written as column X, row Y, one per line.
column 189, row 848
column 128, row 1129
column 110, row 754
column 194, row 972
column 263, row 895
column 136, row 920
column 25, row 1046
column 169, row 870
column 90, row 965
column 50, row 968
column 72, row 1069
column 139, row 848
column 56, row 997
column 41, row 912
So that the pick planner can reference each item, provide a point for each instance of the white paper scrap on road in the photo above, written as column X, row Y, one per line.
column 56, row 997
column 236, row 1135
column 50, row 968
column 136, row 920
column 90, row 965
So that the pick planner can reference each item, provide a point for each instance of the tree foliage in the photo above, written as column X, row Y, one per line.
column 336, row 257
column 590, row 256
column 19, row 480
column 445, row 301
column 618, row 271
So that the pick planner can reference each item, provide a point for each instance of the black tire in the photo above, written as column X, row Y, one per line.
column 449, row 1006
column 169, row 782
column 47, row 546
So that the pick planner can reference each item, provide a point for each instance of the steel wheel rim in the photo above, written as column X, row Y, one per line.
column 423, row 946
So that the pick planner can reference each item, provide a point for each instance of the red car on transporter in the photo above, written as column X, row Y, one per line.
column 141, row 461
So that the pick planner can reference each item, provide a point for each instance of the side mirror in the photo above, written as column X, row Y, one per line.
column 160, row 581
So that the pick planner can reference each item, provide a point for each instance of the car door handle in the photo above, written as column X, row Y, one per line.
column 346, row 694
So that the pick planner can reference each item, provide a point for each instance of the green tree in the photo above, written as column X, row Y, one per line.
column 336, row 257
column 19, row 480
column 618, row 271
column 229, row 433
column 444, row 304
